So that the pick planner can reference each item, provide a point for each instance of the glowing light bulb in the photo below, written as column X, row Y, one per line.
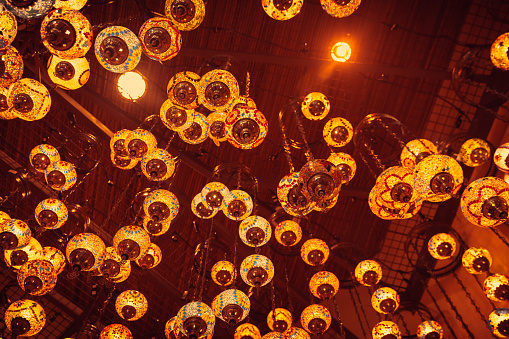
column 341, row 52
column 131, row 85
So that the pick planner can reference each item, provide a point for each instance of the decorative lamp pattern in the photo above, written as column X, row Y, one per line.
column 131, row 305
column 442, row 246
column 288, row 233
column 139, row 142
column 37, row 277
column 8, row 28
column 498, row 322
column 217, row 89
column 14, row 234
column 386, row 329
column 37, row 9
column 217, row 127
column 4, row 216
column 247, row 331
column 6, row 113
column 25, row 318
column 158, row 165
column 273, row 335
column 159, row 39
column 155, row 228
column 255, row 231
column 256, row 270
column 66, row 33
column 196, row 319
column 117, row 49
column 315, row 319
column 185, row 15
column 152, row 257
column 496, row 287
column 345, row 163
column 51, row 213
column 239, row 205
column 13, row 66
column 18, row 257
column 161, row 205
column 85, row 252
column 327, row 204
column 324, row 285
column 29, row 99
column 200, row 210
column 384, row 212
column 394, row 186
column 42, row 155
column 426, row 328
column 197, row 132
column 55, row 257
column 315, row 106
column 280, row 320
column 70, row 4
column 124, row 163
column 319, row 181
column 314, row 252
column 291, row 198
column 280, row 11
column 337, row 132
column 475, row 152
column 246, row 127
column 416, row 150
column 115, row 331
column 501, row 158
column 231, row 306
column 214, row 195
column 175, row 117
column 68, row 74
column 385, row 300
column 60, row 175
column 477, row 260
column 131, row 242
column 368, row 272
column 117, row 143
column 110, row 267
column 125, row 272
column 223, row 273
column 242, row 101
column 498, row 52
column 340, row 9
column 171, row 329
column 182, row 89
column 296, row 333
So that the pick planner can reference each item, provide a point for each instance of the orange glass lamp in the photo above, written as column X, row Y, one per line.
column 30, row 100
column 296, row 333
column 55, row 257
column 288, row 233
column 217, row 127
column 182, row 89
column 171, row 330
column 14, row 234
column 217, row 89
column 110, row 268
column 161, row 205
column 394, row 186
column 5, row 112
column 185, row 17
column 176, row 117
column 256, row 270
column 340, row 9
column 315, row 319
column 131, row 85
column 345, row 163
column 13, row 69
column 368, row 272
column 4, row 216
column 160, row 39
column 477, row 260
column 85, row 252
column 199, row 209
column 280, row 320
column 247, row 331
column 429, row 329
column 25, row 318
column 239, row 205
column 231, row 306
column 131, row 305
column 498, row 322
column 475, row 152
column 223, row 273
column 158, row 165
column 131, row 242
column 18, row 257
column 341, row 52
column 117, row 49
column 255, row 231
column 385, row 300
column 9, row 28
column 273, row 335
column 291, row 198
column 386, row 329
column 501, row 158
column 41, row 156
column 37, row 277
column 70, row 4
column 214, row 195
column 115, row 331
column 282, row 12
column 117, row 143
column 441, row 246
column 314, row 252
column 151, row 259
column 315, row 106
column 155, row 228
column 51, row 213
column 324, row 285
column 499, row 50
column 496, row 287
column 61, row 175
column 386, row 212
column 416, row 150
column 124, row 163
column 337, row 132
column 198, row 130
column 138, row 142
column 196, row 319
column 246, row 127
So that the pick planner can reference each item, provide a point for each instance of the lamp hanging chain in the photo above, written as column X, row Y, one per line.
column 439, row 309
column 358, row 314
column 290, row 304
column 286, row 144
column 362, row 306
column 114, row 208
column 106, row 301
column 235, row 245
column 502, row 238
column 300, row 127
column 342, row 333
column 482, row 289
column 204, row 267
column 469, row 296
column 273, row 300
column 74, row 188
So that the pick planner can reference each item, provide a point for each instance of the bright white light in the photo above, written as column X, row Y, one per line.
column 341, row 52
column 131, row 85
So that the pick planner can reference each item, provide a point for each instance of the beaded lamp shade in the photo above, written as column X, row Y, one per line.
column 340, row 9
column 125, row 271
column 161, row 205
column 475, row 152
column 501, row 158
column 324, row 285
column 124, row 163
column 4, row 216
column 255, row 231
column 186, row 15
column 8, row 28
column 288, row 233
column 200, row 210
column 242, row 101
column 14, row 234
column 29, row 99
column 196, row 319
column 246, row 127
column 256, row 270
column 110, row 268
column 182, row 89
column 70, row 4
column 25, row 318
column 51, row 213
column 314, row 252
column 68, row 74
column 6, row 113
column 55, row 257
column 223, row 273
column 345, row 163
column 159, row 39
column 384, row 212
column 217, row 127
column 499, row 50
column 427, row 329
column 385, row 300
column 496, row 287
column 85, row 252
column 337, row 132
column 315, row 319
column 36, row 9
column 441, row 246
column 231, row 306
column 499, row 322
column 416, row 150
column 273, row 335
column 155, row 228
column 296, row 333
column 476, row 260
column 131, row 305
column 386, row 329
column 320, row 180
column 13, row 66
column 66, row 33
column 239, row 205
column 214, row 195
column 170, row 328
column 280, row 320
column 247, row 331
column 42, row 155
column 291, row 198
column 117, row 143
column 175, row 117
column 158, row 165
column 60, row 175
column 138, row 142
column 16, row 258
column 368, row 272
column 485, row 202
column 197, row 132
column 282, row 11
column 116, row 331
column 394, row 186
column 117, row 49
column 152, row 257
column 131, row 242
column 315, row 106
column 37, row 277
column 217, row 89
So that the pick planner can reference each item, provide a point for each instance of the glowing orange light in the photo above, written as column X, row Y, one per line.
column 341, row 52
column 131, row 85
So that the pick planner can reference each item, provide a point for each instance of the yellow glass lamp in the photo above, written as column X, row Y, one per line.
column 197, row 132
column 131, row 305
column 4, row 216
column 185, row 15
column 257, row 270
column 85, row 252
column 501, row 158
column 315, row 319
column 231, row 306
column 70, row 4
column 324, row 285
column 496, row 287
column 242, row 101
column 246, row 127
column 385, row 300
column 60, row 175
column 131, row 242
column 288, row 233
column 200, row 210
column 477, row 260
column 416, row 150
column 340, row 9
column 158, row 165
column 296, row 333
column 25, row 318
column 159, row 39
column 5, row 112
column 341, row 52
column 115, row 331
column 315, row 106
column 34, row 9
column 485, row 202
column 327, row 204
column 55, row 257
column 429, row 329
column 386, row 329
column 223, row 273
column 337, row 132
column 247, row 331
column 441, row 246
column 394, row 186
column 345, row 163
column 217, row 127
column 280, row 320
column 155, row 228
column 14, row 234
column 8, row 28
column 117, row 143
column 291, row 198
column 273, row 335
column 498, row 322
column 214, row 195
column 37, row 277
column 124, row 163
column 29, row 99
column 110, row 267
column 182, row 89
column 151, row 259
column 138, row 142
column 499, row 50
column 117, row 49
column 171, row 329
column 475, row 152
column 314, row 252
column 196, row 319
column 217, row 89
column 368, row 272
column 131, row 85
column 13, row 66
column 41, row 156
column 406, row 211
column 18, row 257
column 125, row 272
column 282, row 10
column 51, row 213
column 255, row 231
column 161, row 205
column 238, row 205
column 175, row 117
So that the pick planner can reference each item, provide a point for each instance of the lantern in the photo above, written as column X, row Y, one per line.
column 382, row 211
column 29, row 99
column 501, row 158
column 14, row 234
column 394, row 186
column 429, row 329
column 231, row 306
column 246, row 127
column 18, row 257
column 288, row 233
column 345, row 164
column 171, row 329
column 197, row 132
column 25, row 318
column 441, row 246
column 223, row 273
column 255, row 231
column 5, row 112
column 117, row 49
column 314, row 252
column 256, row 270
column 247, row 331
column 386, row 329
column 131, row 242
column 182, row 89
column 214, row 195
column 273, row 335
column 115, row 331
column 320, row 180
column 85, row 252
column 41, row 156
column 368, row 272
column 476, row 260
column 68, row 74
column 110, row 266
column 131, row 305
column 337, row 132
column 124, row 163
column 186, row 15
column 315, row 319
column 498, row 52
column 324, row 285
column 315, row 106
column 216, row 90
column 55, row 257
column 158, row 164
column 340, row 9
column 8, row 28
column 282, row 11
column 196, row 319
column 291, row 198
column 280, row 320
column 385, row 300
column 151, row 259
column 161, row 205
column 474, row 152
column 51, row 213
column 139, row 142
column 125, row 271
column 160, row 39
column 37, row 277
column 117, row 143
column 12, row 70
column 296, row 333
column 200, row 210
column 239, row 205
column 70, row 4
column 496, row 287
column 217, row 127
column 242, row 101
column 36, row 8
column 416, row 150
column 155, row 228
column 175, row 117
column 60, row 175
column 499, row 322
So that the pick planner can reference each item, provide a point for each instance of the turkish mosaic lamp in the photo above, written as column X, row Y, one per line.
column 217, row 89
column 231, row 306
column 281, row 11
column 279, row 320
column 315, row 106
column 214, row 195
column 68, row 74
column 499, row 50
column 55, row 257
column 442, row 246
column 314, row 252
column 199, row 209
column 138, row 142
column 131, row 305
column 131, row 242
column 255, row 231
column 14, row 234
column 28, row 9
column 70, row 4
column 196, row 319
column 158, row 165
column 416, row 150
column 247, row 331
column 496, row 287
column 51, row 213
column 340, row 9
column 498, row 322
column 182, row 89
column 151, row 259
column 18, row 257
column 288, row 233
column 37, row 277
column 324, row 285
column 474, row 152
column 161, row 205
column 124, row 163
column 386, row 329
column 368, row 272
column 256, row 270
column 385, row 300
column 117, row 49
column 115, row 331
column 315, row 319
column 155, row 228
column 217, row 127
column 85, row 252
column 25, row 318
column 429, row 329
column 198, row 130
column 291, row 198
column 160, row 39
column 60, row 175
column 8, row 28
column 345, row 164
column 246, row 127
column 337, row 132
column 238, row 205
column 175, row 117
column 476, row 260
column 501, row 158
column 12, row 69
column 186, row 15
column 29, row 99
column 223, row 273
column 41, row 156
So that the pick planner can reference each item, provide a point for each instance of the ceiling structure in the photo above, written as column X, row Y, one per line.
column 403, row 54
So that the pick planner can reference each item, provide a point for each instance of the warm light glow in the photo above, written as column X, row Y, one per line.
column 341, row 52
column 131, row 85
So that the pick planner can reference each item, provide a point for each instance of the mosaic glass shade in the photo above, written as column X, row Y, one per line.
column 37, row 277
column 16, row 258
column 197, row 132
column 387, row 213
column 29, row 99
column 496, row 287
column 385, row 300
column 315, row 106
column 394, row 186
column 273, row 335
column 288, row 233
column 485, row 202
column 437, row 177
column 499, row 322
column 14, row 234
column 256, row 270
column 327, row 204
column 6, row 113
column 428, row 327
column 498, row 52
column 51, row 213
column 55, row 257
column 246, row 127
column 70, row 4
column 158, row 165
column 247, row 331
column 111, row 273
column 115, row 331
column 386, row 328
column 223, row 273
column 28, row 310
column 320, row 180
column 441, row 246
column 315, row 319
column 131, row 242
column 416, row 150
column 139, row 142
column 501, row 159
column 42, row 155
column 337, row 132
column 291, row 198
column 200, row 210
column 476, row 260
column 66, row 33
column 36, row 10
column 217, row 89
column 155, row 228
column 88, row 242
column 4, row 216
column 345, row 163
column 368, row 272
column 324, row 285
column 239, row 205
column 475, row 152
column 13, row 63
column 296, row 333
column 255, row 231
column 68, row 74
column 314, row 252
column 152, row 257
column 191, row 311
column 339, row 10
column 159, row 39
column 231, row 306
column 117, row 143
column 280, row 320
column 60, row 175
column 185, row 15
column 214, row 195
column 290, row 10
column 175, row 117
column 117, row 49
column 242, row 101
column 131, row 305
column 8, row 28
column 125, row 272
column 124, row 163
column 182, row 89
column 169, row 209
column 217, row 124
column 170, row 328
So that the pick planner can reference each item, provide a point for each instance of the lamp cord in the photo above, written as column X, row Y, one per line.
column 469, row 296
column 358, row 314
column 444, row 318
column 204, row 268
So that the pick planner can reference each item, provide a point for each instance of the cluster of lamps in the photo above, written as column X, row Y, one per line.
column 60, row 175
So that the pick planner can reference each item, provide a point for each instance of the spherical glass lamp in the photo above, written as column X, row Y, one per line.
column 198, row 130
column 139, row 142
column 499, row 322
column 345, row 163
column 18, row 257
column 280, row 320
column 430, row 329
column 200, row 210
column 416, row 150
column 499, row 50
column 217, row 127
column 159, row 39
column 8, row 28
column 151, row 259
column 239, row 205
column 131, row 85
column 85, row 252
column 296, row 333
column 273, row 335
column 125, row 272
column 394, row 186
column 217, row 89
column 496, row 287
column 4, row 216
column 385, row 300
column 386, row 330
column 246, row 127
column 256, row 270
column 175, row 117
column 214, row 195
column 315, row 319
column 340, row 9
column 6, row 113
column 12, row 68
column 337, row 132
column 501, row 157
column 196, row 319
column 182, row 89
column 117, row 143
column 14, row 234
column 110, row 266
column 68, row 74
column 315, row 106
column 51, row 213
column 368, row 272
column 37, row 277
column 282, row 10
column 131, row 305
column 55, row 257
column 124, row 163
column 115, row 331
column 255, row 231
column 320, row 180
column 291, row 198
column 288, row 233
column 223, row 273
column 324, row 285
column 60, row 175
column 475, row 152
column 29, row 99
column 158, row 165
column 171, row 329
column 314, row 252
column 29, row 9
column 441, row 246
column 131, row 242
column 155, row 228
column 405, row 211
column 117, row 49
column 186, row 15
column 25, row 318
column 247, row 331
column 70, row 4
column 477, row 260
column 231, row 306
column 161, row 205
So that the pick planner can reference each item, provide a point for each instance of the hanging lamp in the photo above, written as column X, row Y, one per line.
column 324, row 285
column 55, row 257
column 117, row 49
column 429, row 329
column 256, row 270
column 14, row 234
column 151, row 259
column 61, row 175
column 368, row 272
column 18, row 257
column 161, row 205
column 496, row 287
column 314, row 252
column 131, row 305
column 416, row 150
column 37, row 277
column 288, row 233
column 441, row 246
column 25, row 318
column 159, row 39
column 51, row 213
column 85, row 252
column 196, row 319
column 232, row 306
column 385, row 300
column 199, row 209
column 223, row 273
column 115, row 331
column 315, row 319
column 255, row 231
column 474, row 152
column 131, row 242
column 476, row 260
column 279, row 320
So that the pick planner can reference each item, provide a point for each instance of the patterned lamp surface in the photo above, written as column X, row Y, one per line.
column 223, row 273
column 315, row 319
column 282, row 12
column 273, row 335
column 394, row 186
column 217, row 89
column 185, row 15
column 116, row 331
column 8, row 28
column 239, row 205
column 280, row 320
column 368, row 272
column 42, row 155
column 288, row 233
column 386, row 328
column 60, row 175
column 416, row 150
column 124, row 163
column 161, row 205
column 426, row 328
column 17, row 258
column 68, row 74
column 314, row 252
column 70, row 4
column 246, row 127
column 37, row 277
column 170, row 328
column 182, row 89
column 231, row 306
column 385, row 300
column 214, row 195
column 324, row 285
column 29, row 99
column 255, row 231
column 296, row 333
column 14, row 234
column 256, row 270
column 175, row 117
column 340, row 9
column 13, row 64
column 36, row 9
column 51, row 213
column 6, row 113
column 131, row 305
column 110, row 267
column 55, row 257
column 4, row 216
column 475, row 152
column 346, row 164
column 158, row 165
column 499, row 322
column 131, row 242
column 152, row 258
column 501, row 159
column 117, row 49
column 496, row 287
column 337, row 132
column 85, row 251
column 25, row 317
column 217, row 127
column 291, row 198
column 476, row 260
column 156, row 228
column 385, row 212
column 199, row 209
column 320, row 180
column 485, row 202
column 498, row 52
column 139, row 142
column 117, row 143
column 159, row 39
column 196, row 319
column 242, row 101
column 315, row 106
column 197, row 132
column 442, row 246
column 247, row 331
